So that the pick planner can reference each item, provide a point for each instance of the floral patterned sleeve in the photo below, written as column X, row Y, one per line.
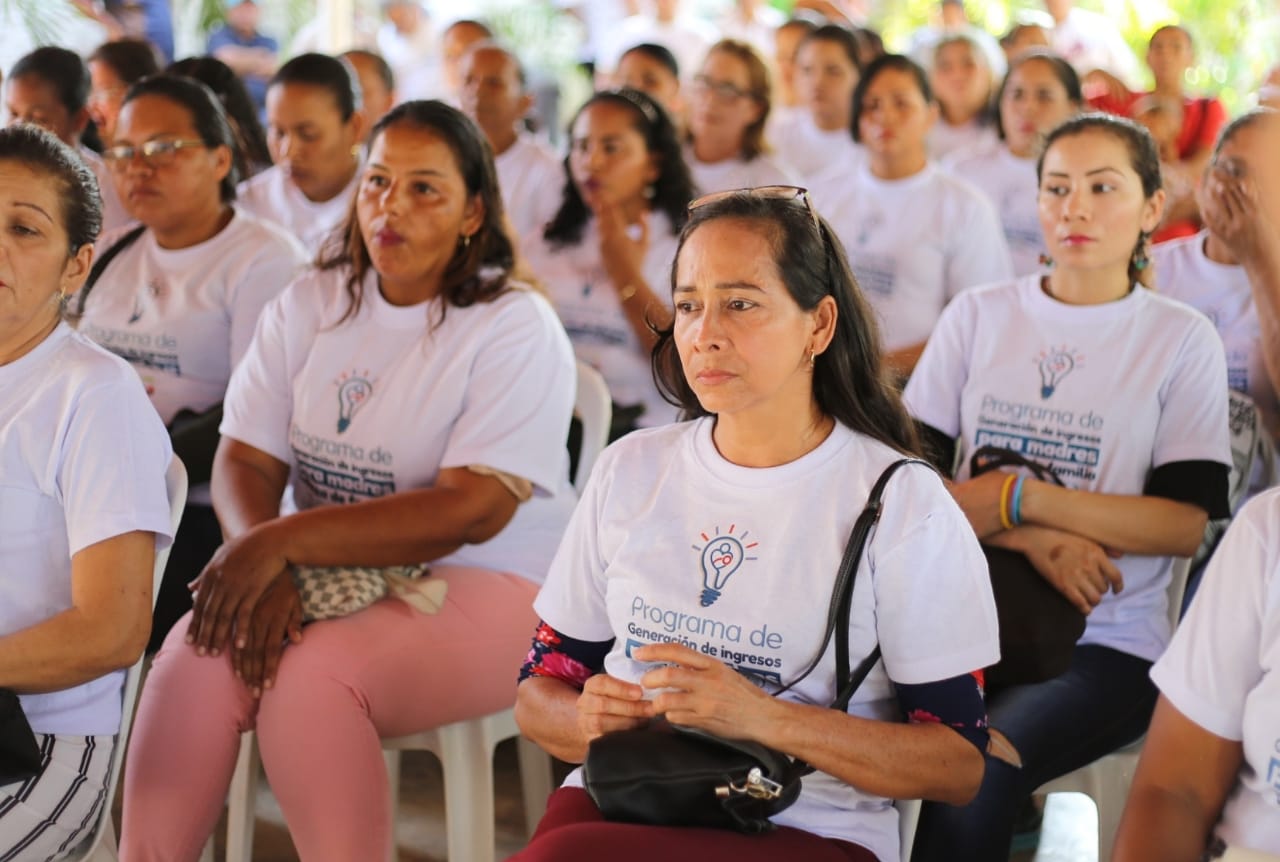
column 956, row 702
column 564, row 658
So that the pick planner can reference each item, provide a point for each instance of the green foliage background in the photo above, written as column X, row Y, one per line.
column 1237, row 40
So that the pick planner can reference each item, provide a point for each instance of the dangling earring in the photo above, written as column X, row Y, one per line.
column 466, row 241
column 1141, row 260
column 650, row 192
column 1046, row 261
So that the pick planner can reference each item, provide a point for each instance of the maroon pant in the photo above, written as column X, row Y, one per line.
column 573, row 830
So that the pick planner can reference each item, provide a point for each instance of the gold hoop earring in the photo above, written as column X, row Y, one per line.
column 813, row 358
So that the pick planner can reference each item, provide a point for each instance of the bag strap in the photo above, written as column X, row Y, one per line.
column 100, row 265
column 837, row 624
column 842, row 606
column 987, row 458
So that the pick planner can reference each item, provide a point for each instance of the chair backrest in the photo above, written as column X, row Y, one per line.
column 594, row 410
column 175, row 481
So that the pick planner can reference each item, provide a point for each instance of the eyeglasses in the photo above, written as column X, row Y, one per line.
column 156, row 154
column 721, row 91
column 778, row 193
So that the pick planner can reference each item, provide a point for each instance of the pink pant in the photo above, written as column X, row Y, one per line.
column 385, row 671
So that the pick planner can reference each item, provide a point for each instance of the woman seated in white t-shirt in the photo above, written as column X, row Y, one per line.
column 728, row 109
column 818, row 138
column 179, row 295
column 605, row 256
column 1231, row 270
column 1122, row 393
column 82, row 501
column 963, row 83
column 1040, row 91
column 775, row 352
column 415, row 403
column 314, row 130
column 916, row 235
column 50, row 88
column 1207, row 777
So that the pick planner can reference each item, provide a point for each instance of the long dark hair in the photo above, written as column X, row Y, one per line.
column 479, row 268
column 851, row 383
column 321, row 70
column 1144, row 158
column 231, row 92
column 672, row 190
column 207, row 116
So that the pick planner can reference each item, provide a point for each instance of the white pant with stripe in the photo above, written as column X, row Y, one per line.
column 48, row 816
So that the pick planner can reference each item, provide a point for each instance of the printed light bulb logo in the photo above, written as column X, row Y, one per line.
column 721, row 557
column 1055, row 364
column 353, row 392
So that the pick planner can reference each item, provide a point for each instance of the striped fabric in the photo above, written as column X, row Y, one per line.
column 50, row 815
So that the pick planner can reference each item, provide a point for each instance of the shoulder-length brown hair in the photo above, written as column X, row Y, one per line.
column 760, row 89
column 479, row 268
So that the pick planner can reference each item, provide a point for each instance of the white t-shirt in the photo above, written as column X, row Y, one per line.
column 737, row 173
column 1091, row 41
column 1009, row 183
column 414, row 60
column 1220, row 668
column 587, row 302
column 811, row 151
column 531, row 178
column 946, row 141
column 272, row 196
column 758, row 32
column 82, row 460
column 1222, row 293
column 1103, row 394
column 184, row 317
column 688, row 38
column 114, row 215
column 913, row 243
column 673, row 543
column 383, row 401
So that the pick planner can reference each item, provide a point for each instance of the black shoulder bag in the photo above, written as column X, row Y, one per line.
column 666, row 775
column 1039, row 627
column 19, row 751
column 194, row 436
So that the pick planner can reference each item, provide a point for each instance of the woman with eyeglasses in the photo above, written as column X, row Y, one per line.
column 50, row 87
column 728, row 111
column 1040, row 91
column 113, row 66
column 179, row 295
column 407, row 402
column 734, row 524
column 816, row 139
column 314, row 128
column 83, row 506
column 606, row 253
column 915, row 234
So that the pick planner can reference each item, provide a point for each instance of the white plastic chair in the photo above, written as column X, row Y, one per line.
column 105, row 847
column 465, row 748
column 908, row 817
column 1106, row 781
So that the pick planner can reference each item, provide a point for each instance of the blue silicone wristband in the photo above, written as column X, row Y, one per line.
column 1015, row 508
